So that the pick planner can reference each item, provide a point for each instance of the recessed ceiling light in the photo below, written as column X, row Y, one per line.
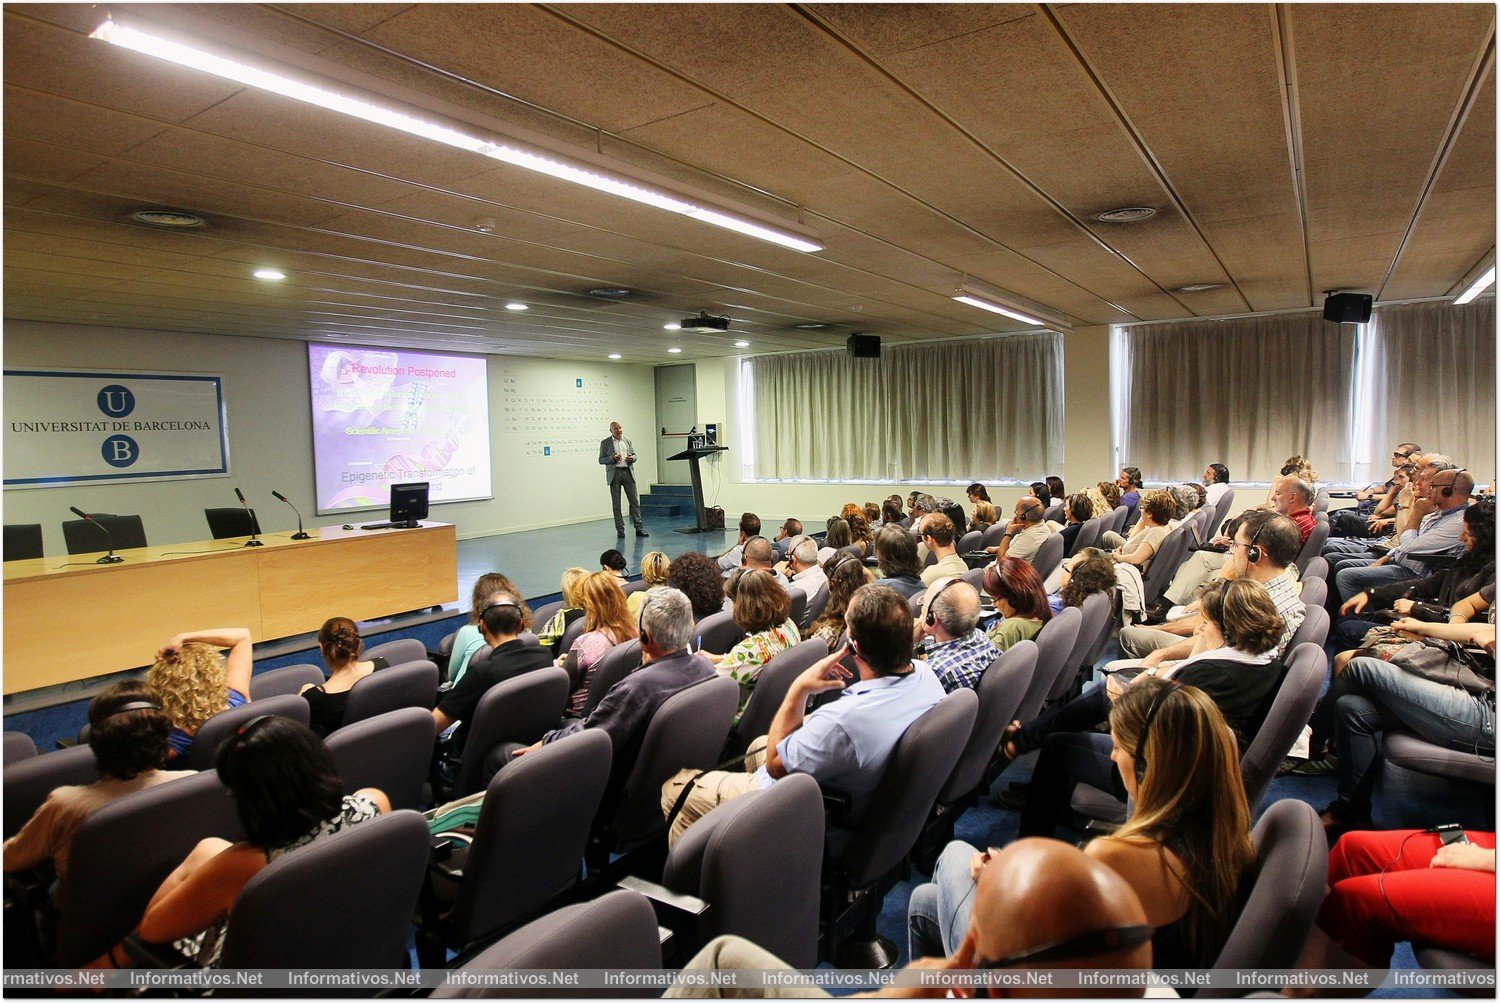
column 674, row 351
column 1127, row 214
column 615, row 355
column 742, row 344
column 674, row 326
column 174, row 219
column 517, row 306
column 610, row 292
column 1200, row 287
column 812, row 326
column 269, row 274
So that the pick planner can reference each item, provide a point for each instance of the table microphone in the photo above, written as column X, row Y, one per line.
column 299, row 535
column 111, row 557
column 254, row 540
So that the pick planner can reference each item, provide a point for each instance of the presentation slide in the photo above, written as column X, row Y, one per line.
column 385, row 416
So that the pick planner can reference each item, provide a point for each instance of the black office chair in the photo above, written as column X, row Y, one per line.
column 23, row 541
column 224, row 523
column 125, row 533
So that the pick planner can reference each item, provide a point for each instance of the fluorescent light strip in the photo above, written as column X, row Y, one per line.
column 1480, row 285
column 997, row 308
column 240, row 72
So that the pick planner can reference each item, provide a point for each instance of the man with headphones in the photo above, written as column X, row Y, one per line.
column 1434, row 538
column 947, row 630
column 668, row 667
column 1264, row 547
column 505, row 657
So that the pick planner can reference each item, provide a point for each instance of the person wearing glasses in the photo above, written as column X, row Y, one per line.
column 287, row 794
column 1375, row 502
column 1186, row 850
column 1015, row 924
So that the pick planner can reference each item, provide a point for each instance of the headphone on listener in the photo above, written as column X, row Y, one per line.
column 1151, row 712
column 1252, row 552
column 928, row 616
column 1446, row 490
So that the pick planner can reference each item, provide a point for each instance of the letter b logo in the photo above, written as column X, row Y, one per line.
column 116, row 401
column 120, row 451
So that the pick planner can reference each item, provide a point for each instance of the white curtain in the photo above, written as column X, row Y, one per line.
column 943, row 411
column 1432, row 381
column 1247, row 393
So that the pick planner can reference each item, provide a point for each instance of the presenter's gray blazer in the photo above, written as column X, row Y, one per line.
column 607, row 459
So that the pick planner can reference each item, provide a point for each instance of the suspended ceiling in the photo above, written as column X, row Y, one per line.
column 1287, row 150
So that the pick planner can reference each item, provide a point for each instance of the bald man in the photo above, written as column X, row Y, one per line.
column 947, row 631
column 1019, row 921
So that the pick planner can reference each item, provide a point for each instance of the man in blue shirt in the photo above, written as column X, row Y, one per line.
column 845, row 744
column 1436, row 536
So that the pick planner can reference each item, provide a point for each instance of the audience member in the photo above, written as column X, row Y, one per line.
column 846, row 576
column 1215, row 482
column 859, row 534
column 613, row 563
column 1139, row 548
column 849, row 509
column 984, row 517
column 606, row 623
column 890, row 512
column 468, row 639
column 1404, row 885
column 696, row 576
column 656, row 568
column 552, row 632
column 194, row 682
column 1016, row 923
column 1088, row 576
column 807, row 572
column 749, row 526
column 287, row 794
column 836, row 539
column 759, row 556
column 1293, row 497
column 896, row 557
column 1233, row 660
column 1374, row 502
column 977, row 493
column 762, row 609
column 872, row 514
column 339, row 643
column 508, row 656
column 1077, row 510
column 937, row 534
column 1025, row 533
column 1450, row 703
column 1055, row 487
column 128, row 735
column 1099, row 506
column 790, row 530
column 1017, row 592
column 1436, row 536
column 1040, row 493
column 1129, row 482
column 1111, row 493
column 846, row 743
column 668, row 667
column 1264, row 547
column 952, row 644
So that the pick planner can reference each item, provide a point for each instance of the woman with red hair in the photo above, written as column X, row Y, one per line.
column 1018, row 594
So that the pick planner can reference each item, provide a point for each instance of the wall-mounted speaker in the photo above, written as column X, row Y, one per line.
column 1347, row 308
column 863, row 346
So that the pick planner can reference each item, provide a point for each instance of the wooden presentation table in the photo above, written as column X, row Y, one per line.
column 65, row 623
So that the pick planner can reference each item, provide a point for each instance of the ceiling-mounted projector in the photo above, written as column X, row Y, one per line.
column 704, row 324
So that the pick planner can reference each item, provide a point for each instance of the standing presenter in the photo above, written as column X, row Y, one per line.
column 617, row 456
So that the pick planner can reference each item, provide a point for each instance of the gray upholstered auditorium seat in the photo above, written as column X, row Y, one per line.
column 211, row 733
column 520, row 709
column 1054, row 646
column 287, row 680
column 617, row 663
column 414, row 684
column 29, row 781
column 389, row 752
column 397, row 652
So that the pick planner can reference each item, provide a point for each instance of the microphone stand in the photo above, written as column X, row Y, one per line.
column 254, row 540
column 111, row 557
column 300, row 534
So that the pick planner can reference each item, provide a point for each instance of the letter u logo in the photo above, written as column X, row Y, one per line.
column 116, row 401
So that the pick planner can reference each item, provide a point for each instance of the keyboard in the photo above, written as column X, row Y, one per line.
column 379, row 525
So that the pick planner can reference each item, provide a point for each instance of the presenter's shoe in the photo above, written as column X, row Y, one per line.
column 639, row 532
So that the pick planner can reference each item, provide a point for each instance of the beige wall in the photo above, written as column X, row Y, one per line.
column 1087, row 451
column 270, row 438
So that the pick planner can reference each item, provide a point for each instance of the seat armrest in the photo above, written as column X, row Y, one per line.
column 148, row 955
column 837, row 806
column 664, row 898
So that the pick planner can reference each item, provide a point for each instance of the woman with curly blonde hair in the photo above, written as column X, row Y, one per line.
column 194, row 681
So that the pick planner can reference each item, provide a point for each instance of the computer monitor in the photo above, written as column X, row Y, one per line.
column 408, row 504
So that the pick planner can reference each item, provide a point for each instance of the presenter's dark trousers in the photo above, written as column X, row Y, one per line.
column 625, row 478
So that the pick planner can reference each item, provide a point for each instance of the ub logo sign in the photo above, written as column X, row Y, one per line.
column 67, row 426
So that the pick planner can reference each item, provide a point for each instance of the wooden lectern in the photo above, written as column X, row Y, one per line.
column 693, row 456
